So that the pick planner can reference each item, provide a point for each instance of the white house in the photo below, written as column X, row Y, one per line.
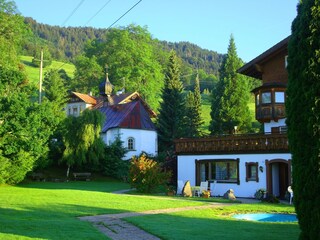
column 246, row 163
column 127, row 116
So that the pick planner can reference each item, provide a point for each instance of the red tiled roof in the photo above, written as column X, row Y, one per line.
column 129, row 115
column 125, row 98
column 86, row 98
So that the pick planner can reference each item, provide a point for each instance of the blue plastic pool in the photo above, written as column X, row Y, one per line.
column 267, row 217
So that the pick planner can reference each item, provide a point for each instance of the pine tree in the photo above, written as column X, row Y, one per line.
column 171, row 120
column 193, row 111
column 303, row 115
column 229, row 106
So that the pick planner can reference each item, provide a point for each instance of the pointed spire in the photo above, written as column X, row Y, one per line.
column 106, row 88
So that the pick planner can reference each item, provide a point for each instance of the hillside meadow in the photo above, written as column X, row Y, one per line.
column 33, row 72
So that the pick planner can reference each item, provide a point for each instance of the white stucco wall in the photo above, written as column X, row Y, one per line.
column 271, row 124
column 187, row 171
column 80, row 106
column 145, row 140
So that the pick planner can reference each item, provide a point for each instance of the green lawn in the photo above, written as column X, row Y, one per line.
column 46, row 210
column 33, row 72
column 218, row 224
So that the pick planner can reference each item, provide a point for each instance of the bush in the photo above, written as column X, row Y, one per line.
column 45, row 63
column 113, row 164
column 146, row 175
column 260, row 193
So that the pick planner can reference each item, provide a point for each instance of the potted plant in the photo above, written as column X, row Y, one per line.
column 205, row 194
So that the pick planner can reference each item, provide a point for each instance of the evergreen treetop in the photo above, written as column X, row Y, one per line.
column 171, row 116
column 229, row 107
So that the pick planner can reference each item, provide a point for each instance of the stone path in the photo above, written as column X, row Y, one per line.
column 115, row 228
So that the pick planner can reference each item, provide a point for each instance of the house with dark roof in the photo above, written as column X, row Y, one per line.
column 247, row 162
column 127, row 115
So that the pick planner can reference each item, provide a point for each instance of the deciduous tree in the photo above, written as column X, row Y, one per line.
column 12, row 33
column 133, row 61
column 84, row 148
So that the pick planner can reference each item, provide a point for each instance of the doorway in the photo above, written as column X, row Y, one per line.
column 278, row 177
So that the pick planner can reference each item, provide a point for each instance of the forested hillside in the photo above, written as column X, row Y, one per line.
column 66, row 43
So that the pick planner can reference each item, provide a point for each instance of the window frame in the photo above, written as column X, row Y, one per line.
column 208, row 175
column 266, row 96
column 249, row 176
column 131, row 143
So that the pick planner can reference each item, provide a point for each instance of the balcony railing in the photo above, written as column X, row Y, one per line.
column 252, row 143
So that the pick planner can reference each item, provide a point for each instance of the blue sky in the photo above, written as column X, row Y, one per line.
column 255, row 24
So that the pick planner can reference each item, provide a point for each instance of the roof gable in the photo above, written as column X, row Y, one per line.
column 252, row 68
column 84, row 97
column 124, row 98
column 129, row 115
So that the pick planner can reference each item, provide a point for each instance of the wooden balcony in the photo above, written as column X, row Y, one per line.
column 229, row 144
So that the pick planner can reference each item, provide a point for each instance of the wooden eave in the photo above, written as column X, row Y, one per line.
column 254, row 67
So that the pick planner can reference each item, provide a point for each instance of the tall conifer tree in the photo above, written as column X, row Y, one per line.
column 303, row 115
column 171, row 118
column 193, row 111
column 229, row 107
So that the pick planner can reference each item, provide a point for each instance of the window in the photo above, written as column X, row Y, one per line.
column 130, row 143
column 257, row 99
column 221, row 170
column 279, row 97
column 252, row 171
column 75, row 111
column 266, row 97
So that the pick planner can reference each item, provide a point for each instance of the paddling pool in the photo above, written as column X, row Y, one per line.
column 267, row 217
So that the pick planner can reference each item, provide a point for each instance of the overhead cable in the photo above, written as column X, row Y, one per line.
column 98, row 12
column 71, row 14
column 124, row 14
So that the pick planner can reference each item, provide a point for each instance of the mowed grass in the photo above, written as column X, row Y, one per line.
column 47, row 210
column 33, row 72
column 218, row 224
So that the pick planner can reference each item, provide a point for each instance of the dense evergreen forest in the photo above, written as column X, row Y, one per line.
column 67, row 43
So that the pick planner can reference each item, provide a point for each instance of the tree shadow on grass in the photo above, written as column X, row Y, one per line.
column 96, row 186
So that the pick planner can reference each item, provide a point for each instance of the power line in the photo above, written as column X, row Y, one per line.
column 98, row 12
column 113, row 22
column 124, row 14
column 71, row 14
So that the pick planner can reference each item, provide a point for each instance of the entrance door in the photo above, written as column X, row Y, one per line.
column 278, row 177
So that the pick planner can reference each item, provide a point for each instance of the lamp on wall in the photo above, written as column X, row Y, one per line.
column 261, row 169
column 235, row 128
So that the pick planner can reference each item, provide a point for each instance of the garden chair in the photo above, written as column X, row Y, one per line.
column 203, row 187
column 290, row 191
column 212, row 187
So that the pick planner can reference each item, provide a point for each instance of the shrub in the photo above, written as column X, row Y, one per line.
column 146, row 175
column 113, row 164
column 260, row 193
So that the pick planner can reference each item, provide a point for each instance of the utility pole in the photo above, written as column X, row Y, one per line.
column 40, row 76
